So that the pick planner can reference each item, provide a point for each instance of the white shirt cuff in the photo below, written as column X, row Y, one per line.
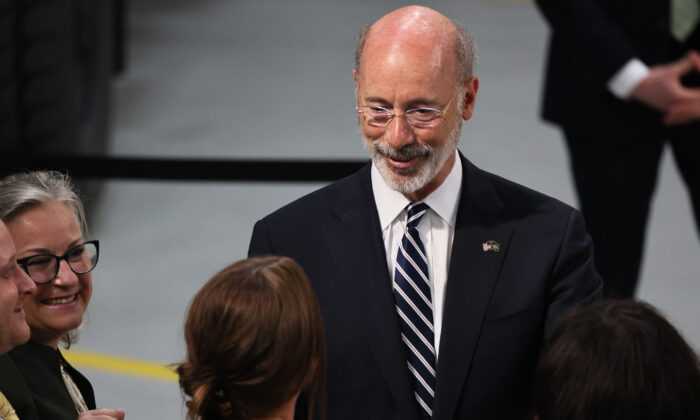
column 627, row 78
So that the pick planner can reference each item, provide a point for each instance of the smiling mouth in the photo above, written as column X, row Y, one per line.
column 403, row 166
column 401, row 159
column 59, row 301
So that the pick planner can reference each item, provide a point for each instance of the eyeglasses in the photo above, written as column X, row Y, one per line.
column 379, row 116
column 43, row 268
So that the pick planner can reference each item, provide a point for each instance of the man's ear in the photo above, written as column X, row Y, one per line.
column 471, row 86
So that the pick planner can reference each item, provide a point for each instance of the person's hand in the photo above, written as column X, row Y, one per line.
column 683, row 112
column 102, row 414
column 662, row 88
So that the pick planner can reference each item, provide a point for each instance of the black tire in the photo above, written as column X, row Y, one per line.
column 55, row 68
column 56, row 62
column 9, row 121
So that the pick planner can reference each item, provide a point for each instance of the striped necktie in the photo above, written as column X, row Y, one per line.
column 412, row 295
column 684, row 18
column 6, row 410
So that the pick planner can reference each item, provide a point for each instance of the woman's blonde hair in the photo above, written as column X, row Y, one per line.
column 24, row 190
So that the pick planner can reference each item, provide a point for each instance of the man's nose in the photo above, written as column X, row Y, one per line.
column 24, row 283
column 399, row 132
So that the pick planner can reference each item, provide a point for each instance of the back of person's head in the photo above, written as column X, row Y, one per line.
column 617, row 359
column 255, row 339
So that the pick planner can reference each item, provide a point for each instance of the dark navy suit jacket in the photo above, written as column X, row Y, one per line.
column 498, row 305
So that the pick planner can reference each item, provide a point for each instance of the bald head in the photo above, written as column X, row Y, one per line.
column 425, row 31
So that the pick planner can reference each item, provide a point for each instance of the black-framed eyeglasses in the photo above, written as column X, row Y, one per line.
column 43, row 268
column 379, row 116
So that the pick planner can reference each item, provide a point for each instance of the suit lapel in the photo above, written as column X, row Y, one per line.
column 355, row 242
column 471, row 279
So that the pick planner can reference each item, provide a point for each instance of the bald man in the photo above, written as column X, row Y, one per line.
column 437, row 281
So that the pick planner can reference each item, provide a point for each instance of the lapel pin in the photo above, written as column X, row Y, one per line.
column 491, row 246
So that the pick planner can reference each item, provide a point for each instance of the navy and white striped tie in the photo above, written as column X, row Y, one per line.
column 412, row 294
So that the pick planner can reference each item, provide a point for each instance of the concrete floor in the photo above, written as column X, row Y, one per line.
column 272, row 78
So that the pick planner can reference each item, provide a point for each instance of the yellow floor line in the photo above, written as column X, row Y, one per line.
column 120, row 365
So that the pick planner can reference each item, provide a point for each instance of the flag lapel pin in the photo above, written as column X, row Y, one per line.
column 491, row 246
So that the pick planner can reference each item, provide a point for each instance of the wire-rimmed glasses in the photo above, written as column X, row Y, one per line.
column 43, row 268
column 422, row 117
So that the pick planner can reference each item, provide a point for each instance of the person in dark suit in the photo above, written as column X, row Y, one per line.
column 617, row 83
column 437, row 281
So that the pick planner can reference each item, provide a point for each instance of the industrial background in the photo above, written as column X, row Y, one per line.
column 266, row 85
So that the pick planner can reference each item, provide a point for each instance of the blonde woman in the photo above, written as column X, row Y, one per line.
column 45, row 217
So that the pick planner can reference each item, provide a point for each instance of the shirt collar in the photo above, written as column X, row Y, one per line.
column 443, row 201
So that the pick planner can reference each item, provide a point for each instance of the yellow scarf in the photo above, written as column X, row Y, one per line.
column 6, row 410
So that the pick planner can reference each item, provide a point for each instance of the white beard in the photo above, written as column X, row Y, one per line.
column 434, row 159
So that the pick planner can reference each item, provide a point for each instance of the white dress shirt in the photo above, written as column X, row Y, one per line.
column 436, row 230
column 627, row 78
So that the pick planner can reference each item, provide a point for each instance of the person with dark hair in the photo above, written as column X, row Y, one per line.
column 45, row 217
column 617, row 360
column 438, row 281
column 255, row 339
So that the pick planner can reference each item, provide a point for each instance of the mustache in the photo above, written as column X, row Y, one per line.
column 404, row 153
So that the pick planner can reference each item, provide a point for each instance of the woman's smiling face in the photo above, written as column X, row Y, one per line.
column 57, row 307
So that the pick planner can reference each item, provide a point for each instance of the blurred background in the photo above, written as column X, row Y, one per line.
column 252, row 80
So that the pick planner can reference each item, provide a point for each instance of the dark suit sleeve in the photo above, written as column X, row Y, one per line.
column 15, row 389
column 260, row 242
column 574, row 279
column 595, row 42
column 260, row 245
